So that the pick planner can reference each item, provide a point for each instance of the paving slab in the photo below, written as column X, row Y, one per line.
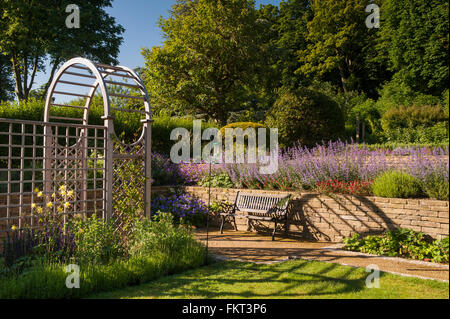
column 253, row 247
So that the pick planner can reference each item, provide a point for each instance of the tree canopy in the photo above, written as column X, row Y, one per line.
column 32, row 31
column 339, row 42
column 415, row 36
column 6, row 84
column 209, row 58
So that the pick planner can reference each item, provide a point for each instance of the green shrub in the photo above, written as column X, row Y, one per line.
column 217, row 180
column 305, row 116
column 436, row 135
column 416, row 124
column 439, row 251
column 396, row 92
column 401, row 242
column 96, row 241
column 436, row 186
column 161, row 235
column 413, row 116
column 370, row 116
column 396, row 184
column 163, row 126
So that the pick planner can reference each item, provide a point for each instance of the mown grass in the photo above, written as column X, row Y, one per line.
column 293, row 279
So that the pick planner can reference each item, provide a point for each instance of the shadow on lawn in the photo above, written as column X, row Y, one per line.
column 245, row 280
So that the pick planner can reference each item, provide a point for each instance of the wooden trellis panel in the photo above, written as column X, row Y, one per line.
column 37, row 159
column 89, row 161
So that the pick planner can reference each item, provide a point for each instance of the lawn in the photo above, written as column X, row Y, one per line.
column 292, row 279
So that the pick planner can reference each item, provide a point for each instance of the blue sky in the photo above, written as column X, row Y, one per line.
column 140, row 20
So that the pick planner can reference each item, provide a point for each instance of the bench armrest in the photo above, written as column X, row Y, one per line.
column 226, row 208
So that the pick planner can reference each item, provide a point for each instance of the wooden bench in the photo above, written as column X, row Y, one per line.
column 267, row 207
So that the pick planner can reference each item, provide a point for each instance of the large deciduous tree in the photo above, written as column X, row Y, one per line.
column 209, row 58
column 415, row 36
column 292, row 31
column 340, row 42
column 34, row 30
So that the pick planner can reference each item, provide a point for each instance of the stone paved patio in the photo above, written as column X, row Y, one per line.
column 252, row 247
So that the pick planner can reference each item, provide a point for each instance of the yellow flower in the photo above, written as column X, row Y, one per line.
column 53, row 195
column 49, row 204
column 33, row 206
column 60, row 209
column 66, row 204
column 63, row 192
column 81, row 230
column 39, row 210
column 39, row 194
column 62, row 188
column 70, row 193
column 14, row 227
column 36, row 190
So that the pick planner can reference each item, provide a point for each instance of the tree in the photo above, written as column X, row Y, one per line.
column 32, row 31
column 305, row 116
column 209, row 58
column 292, row 32
column 6, row 85
column 339, row 42
column 415, row 36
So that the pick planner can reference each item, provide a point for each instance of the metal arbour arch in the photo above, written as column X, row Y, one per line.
column 70, row 164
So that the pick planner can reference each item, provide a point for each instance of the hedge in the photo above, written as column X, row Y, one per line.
column 127, row 125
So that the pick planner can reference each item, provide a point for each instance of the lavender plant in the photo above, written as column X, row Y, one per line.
column 302, row 168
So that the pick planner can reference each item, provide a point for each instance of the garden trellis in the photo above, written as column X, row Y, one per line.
column 39, row 159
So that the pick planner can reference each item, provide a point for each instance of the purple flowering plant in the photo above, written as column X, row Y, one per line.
column 184, row 207
column 302, row 168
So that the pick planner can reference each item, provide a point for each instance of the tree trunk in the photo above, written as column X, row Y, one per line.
column 17, row 77
column 29, row 85
column 343, row 79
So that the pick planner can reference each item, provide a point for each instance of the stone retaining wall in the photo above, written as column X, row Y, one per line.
column 331, row 218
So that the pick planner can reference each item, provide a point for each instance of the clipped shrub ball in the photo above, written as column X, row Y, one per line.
column 305, row 116
column 396, row 184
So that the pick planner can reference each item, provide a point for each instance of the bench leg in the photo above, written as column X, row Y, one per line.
column 235, row 225
column 221, row 226
column 274, row 230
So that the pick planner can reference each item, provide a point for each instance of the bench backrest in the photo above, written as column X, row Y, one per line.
column 262, row 203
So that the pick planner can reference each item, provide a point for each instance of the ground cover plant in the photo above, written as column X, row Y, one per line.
column 401, row 243
column 288, row 280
